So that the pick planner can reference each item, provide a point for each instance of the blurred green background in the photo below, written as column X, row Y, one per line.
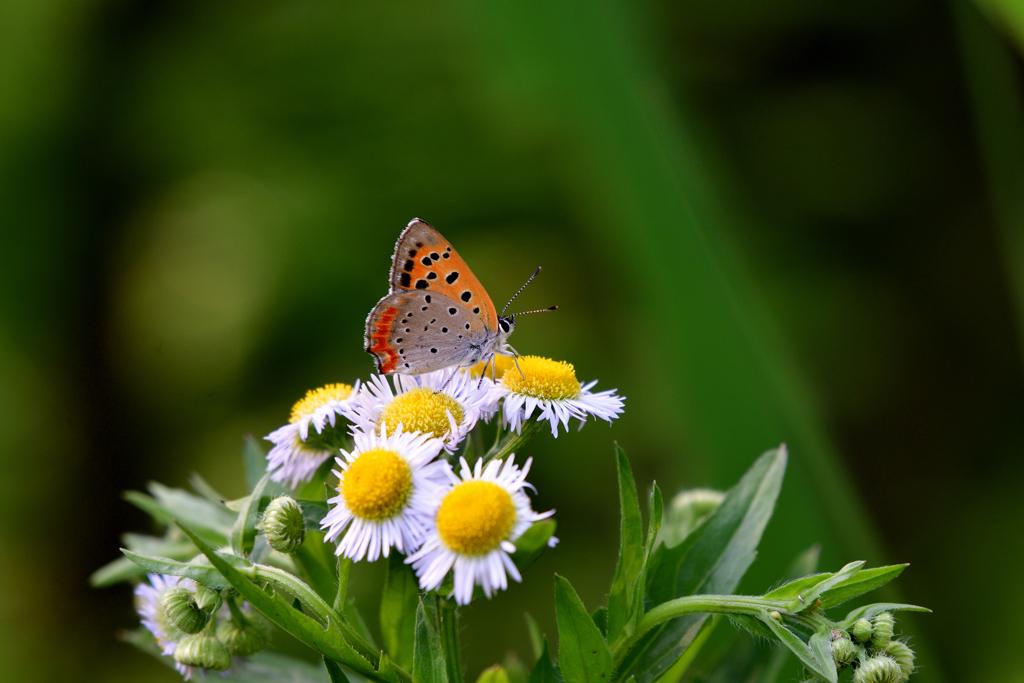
column 796, row 220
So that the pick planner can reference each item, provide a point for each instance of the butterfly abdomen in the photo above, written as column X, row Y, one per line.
column 377, row 340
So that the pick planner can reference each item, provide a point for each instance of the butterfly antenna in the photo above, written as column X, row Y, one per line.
column 520, row 290
column 539, row 310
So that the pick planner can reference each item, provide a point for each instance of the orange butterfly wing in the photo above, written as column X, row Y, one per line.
column 424, row 260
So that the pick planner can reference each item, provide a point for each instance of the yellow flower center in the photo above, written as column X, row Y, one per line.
column 422, row 410
column 316, row 398
column 543, row 378
column 377, row 485
column 475, row 517
column 501, row 364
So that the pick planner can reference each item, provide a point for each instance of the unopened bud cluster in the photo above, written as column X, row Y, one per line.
column 869, row 648
column 203, row 644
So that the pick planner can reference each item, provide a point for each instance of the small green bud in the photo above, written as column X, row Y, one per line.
column 878, row 669
column 283, row 525
column 208, row 599
column 903, row 655
column 861, row 631
column 204, row 651
column 775, row 616
column 843, row 650
column 182, row 611
column 883, row 625
column 686, row 512
column 245, row 639
column 493, row 674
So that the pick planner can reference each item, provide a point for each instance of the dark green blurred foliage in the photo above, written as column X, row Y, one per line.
column 762, row 221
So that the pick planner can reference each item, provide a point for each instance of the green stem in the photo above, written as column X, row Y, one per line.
column 448, row 619
column 512, row 442
column 237, row 616
column 698, row 604
column 344, row 565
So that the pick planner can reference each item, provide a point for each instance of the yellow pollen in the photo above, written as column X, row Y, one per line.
column 377, row 485
column 422, row 410
column 501, row 364
column 475, row 517
column 315, row 398
column 542, row 378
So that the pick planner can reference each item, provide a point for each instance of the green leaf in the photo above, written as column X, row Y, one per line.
column 583, row 654
column 243, row 532
column 544, row 671
column 869, row 611
column 536, row 638
column 711, row 560
column 797, row 588
column 631, row 551
column 327, row 639
column 653, row 527
column 123, row 569
column 313, row 512
column 820, row 645
column 865, row 581
column 532, row 543
column 386, row 669
column 428, row 664
column 201, row 573
column 398, row 610
column 600, row 618
column 164, row 516
column 334, row 671
column 192, row 509
column 808, row 599
column 802, row 650
column 318, row 568
column 273, row 667
column 204, row 489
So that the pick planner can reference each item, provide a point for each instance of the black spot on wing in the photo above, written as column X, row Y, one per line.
column 433, row 350
column 412, row 253
column 452, row 277
column 431, row 275
column 452, row 310
column 422, row 284
column 426, row 261
column 434, row 255
column 444, row 255
column 425, row 308
column 427, row 298
column 476, row 309
column 444, row 330
column 405, row 280
column 409, row 265
column 467, row 326
column 467, row 295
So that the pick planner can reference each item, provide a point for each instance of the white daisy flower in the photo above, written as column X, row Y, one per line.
column 479, row 516
column 298, row 452
column 149, row 604
column 445, row 404
column 387, row 491
column 550, row 389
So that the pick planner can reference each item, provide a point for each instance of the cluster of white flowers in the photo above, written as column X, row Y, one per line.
column 396, row 487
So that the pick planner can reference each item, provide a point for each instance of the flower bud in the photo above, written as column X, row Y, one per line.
column 775, row 616
column 903, row 655
column 878, row 669
column 883, row 626
column 204, row 651
column 208, row 599
column 493, row 674
column 861, row 631
column 843, row 650
column 247, row 638
column 686, row 512
column 283, row 525
column 182, row 611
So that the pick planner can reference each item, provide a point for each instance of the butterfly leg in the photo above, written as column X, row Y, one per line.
column 483, row 373
column 445, row 385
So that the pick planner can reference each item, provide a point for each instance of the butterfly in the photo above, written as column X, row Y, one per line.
column 436, row 313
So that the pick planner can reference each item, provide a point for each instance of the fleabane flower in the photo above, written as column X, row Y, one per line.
column 444, row 404
column 479, row 516
column 299, row 451
column 550, row 389
column 149, row 604
column 387, row 488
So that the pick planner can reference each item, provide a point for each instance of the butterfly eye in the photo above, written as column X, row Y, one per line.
column 504, row 325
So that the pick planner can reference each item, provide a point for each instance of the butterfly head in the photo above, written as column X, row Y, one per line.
column 507, row 324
